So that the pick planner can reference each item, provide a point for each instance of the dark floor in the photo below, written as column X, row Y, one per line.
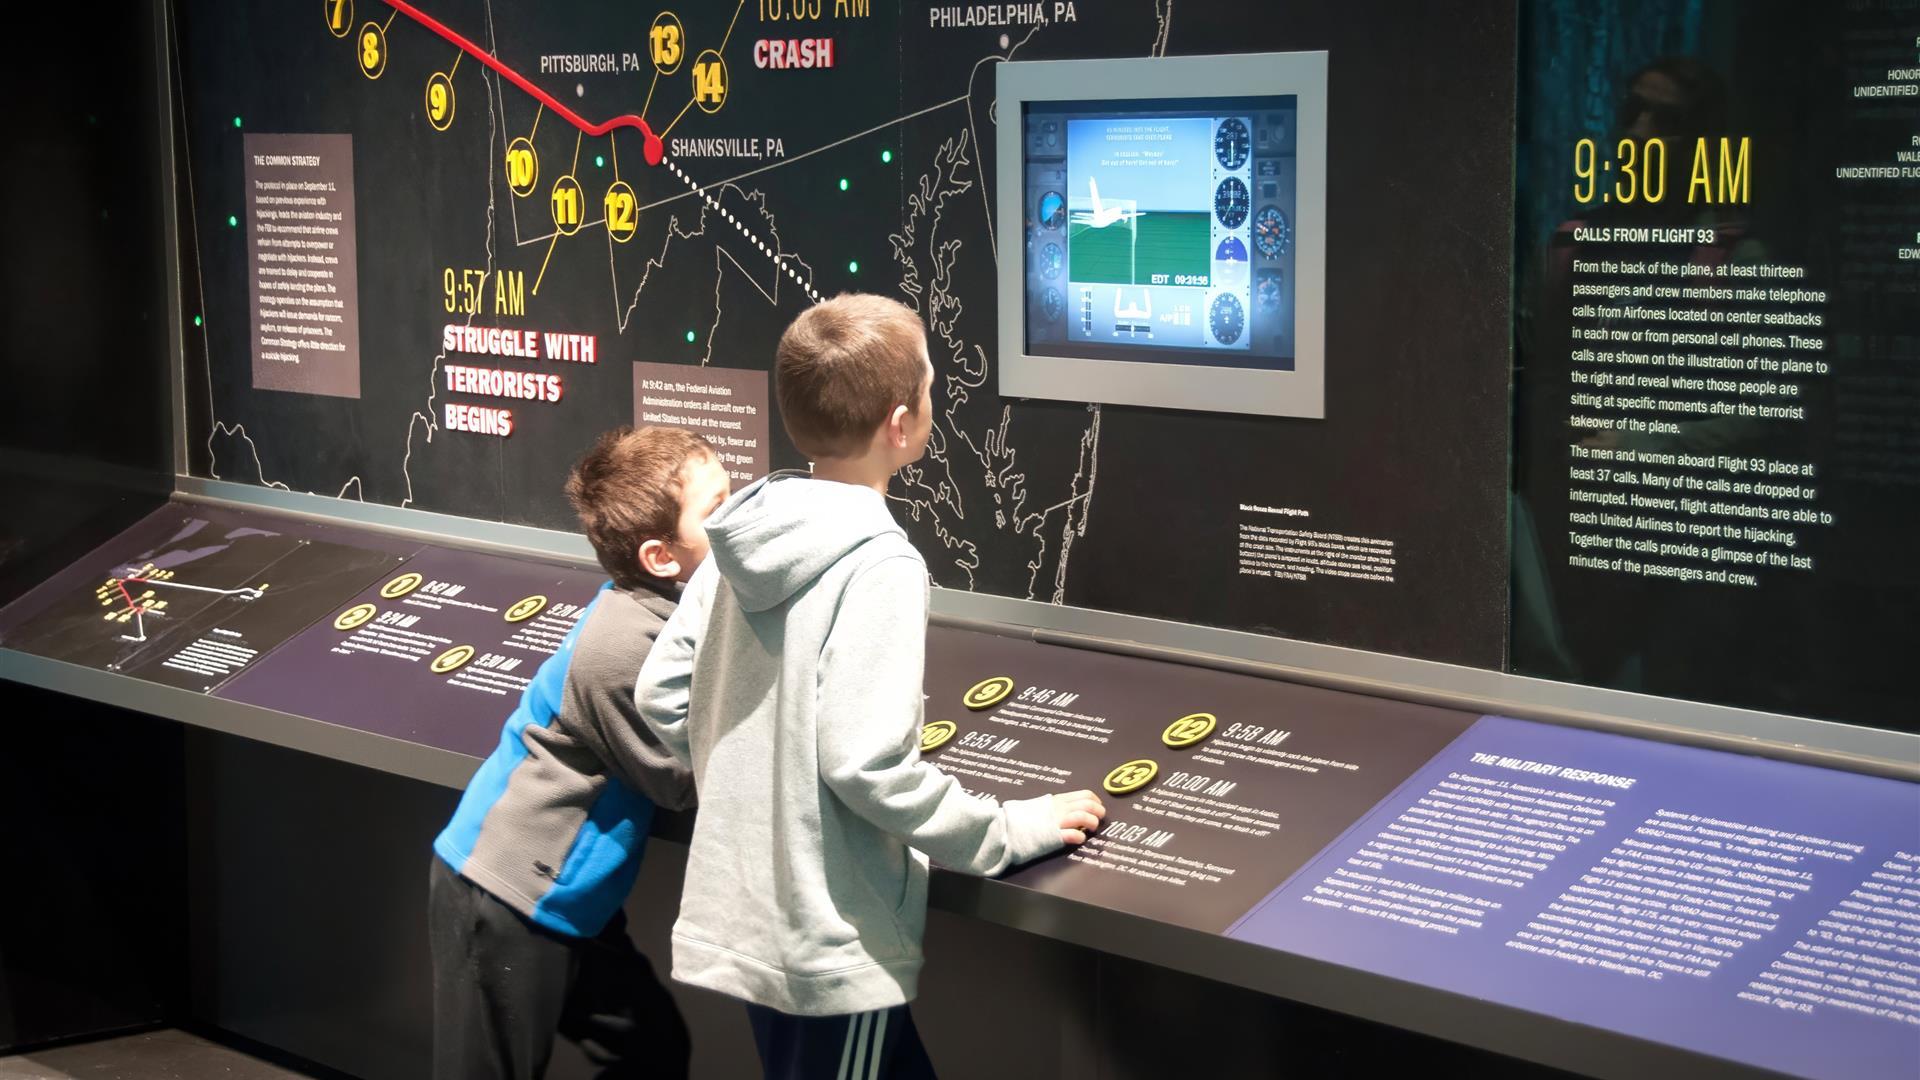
column 154, row 1055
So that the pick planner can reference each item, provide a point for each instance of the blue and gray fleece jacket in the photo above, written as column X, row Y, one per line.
column 554, row 822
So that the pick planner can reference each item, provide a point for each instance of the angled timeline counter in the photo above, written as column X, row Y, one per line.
column 1606, row 901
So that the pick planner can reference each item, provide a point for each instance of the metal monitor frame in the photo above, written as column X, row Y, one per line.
column 1300, row 392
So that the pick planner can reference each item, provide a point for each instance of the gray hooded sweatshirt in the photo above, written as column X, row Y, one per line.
column 790, row 680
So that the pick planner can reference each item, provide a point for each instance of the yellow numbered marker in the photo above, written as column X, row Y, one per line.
column 1189, row 729
column 569, row 205
column 357, row 615
column 523, row 166
column 987, row 693
column 526, row 609
column 400, row 586
column 623, row 212
column 339, row 17
column 710, row 81
column 667, row 42
column 1130, row 777
column 452, row 659
column 440, row 100
column 373, row 50
column 935, row 735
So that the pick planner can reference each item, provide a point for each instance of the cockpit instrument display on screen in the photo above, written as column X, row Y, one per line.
column 1162, row 232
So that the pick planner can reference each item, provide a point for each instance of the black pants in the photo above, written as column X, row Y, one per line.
column 880, row 1045
column 502, row 987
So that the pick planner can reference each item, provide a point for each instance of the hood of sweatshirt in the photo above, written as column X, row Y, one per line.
column 781, row 532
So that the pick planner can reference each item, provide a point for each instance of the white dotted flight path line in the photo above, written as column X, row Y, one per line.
column 780, row 260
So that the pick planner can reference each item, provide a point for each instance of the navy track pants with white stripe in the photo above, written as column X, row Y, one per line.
column 879, row 1045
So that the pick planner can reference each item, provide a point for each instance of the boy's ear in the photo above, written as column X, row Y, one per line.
column 656, row 560
column 897, row 427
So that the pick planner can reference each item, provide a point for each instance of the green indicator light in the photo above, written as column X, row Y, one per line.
column 853, row 268
column 196, row 320
column 599, row 161
column 233, row 221
column 886, row 157
column 689, row 337
column 843, row 184
column 236, row 121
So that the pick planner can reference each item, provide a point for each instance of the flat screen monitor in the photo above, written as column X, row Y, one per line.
column 1169, row 220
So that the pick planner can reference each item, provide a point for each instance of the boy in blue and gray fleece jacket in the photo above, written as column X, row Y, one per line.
column 529, row 877
column 790, row 678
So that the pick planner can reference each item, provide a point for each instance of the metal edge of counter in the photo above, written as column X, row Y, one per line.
column 334, row 741
column 1457, row 1018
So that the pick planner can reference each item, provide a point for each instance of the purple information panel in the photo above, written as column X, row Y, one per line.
column 1753, row 910
column 438, row 653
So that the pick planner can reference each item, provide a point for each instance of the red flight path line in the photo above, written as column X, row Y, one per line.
column 652, row 149
column 131, row 606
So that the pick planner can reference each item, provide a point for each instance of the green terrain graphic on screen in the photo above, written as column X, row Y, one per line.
column 1132, row 250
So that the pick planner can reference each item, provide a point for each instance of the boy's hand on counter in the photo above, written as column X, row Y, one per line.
column 1080, row 813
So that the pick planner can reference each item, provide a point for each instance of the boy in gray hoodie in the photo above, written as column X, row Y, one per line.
column 790, row 678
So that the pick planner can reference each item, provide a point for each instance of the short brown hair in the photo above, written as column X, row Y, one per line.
column 842, row 367
column 627, row 491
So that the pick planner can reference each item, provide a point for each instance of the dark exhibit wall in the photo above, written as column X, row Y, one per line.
column 88, row 386
column 84, row 451
column 84, row 429
column 1380, row 526
column 1717, row 438
column 73, row 769
column 433, row 256
column 373, row 204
